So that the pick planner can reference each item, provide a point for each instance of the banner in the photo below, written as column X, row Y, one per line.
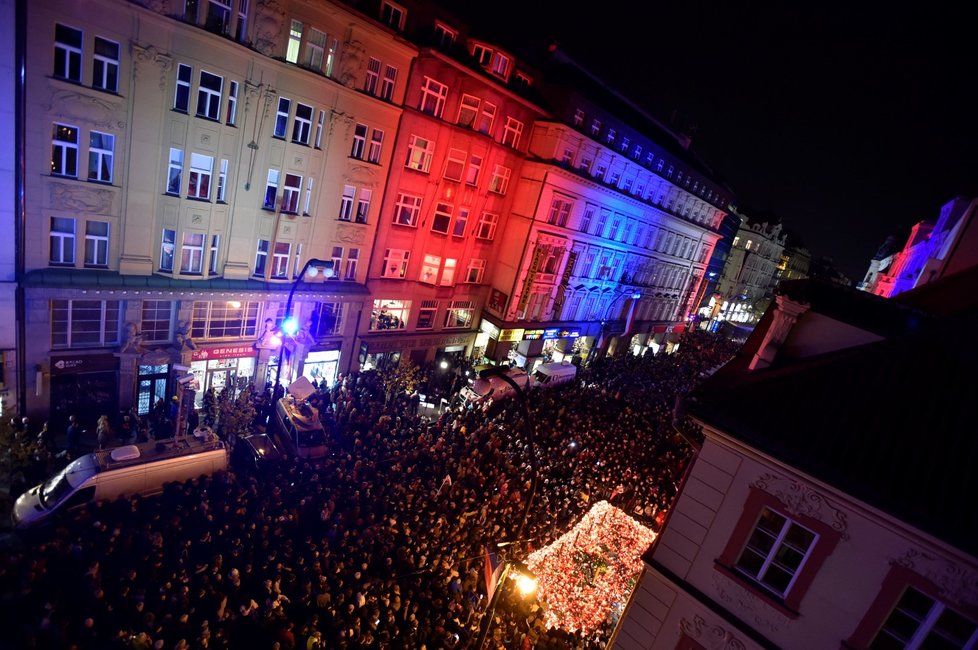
column 539, row 252
column 564, row 281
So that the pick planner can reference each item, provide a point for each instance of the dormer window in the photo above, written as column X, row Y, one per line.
column 444, row 36
column 500, row 65
column 524, row 80
column 610, row 137
column 393, row 15
column 493, row 61
column 482, row 54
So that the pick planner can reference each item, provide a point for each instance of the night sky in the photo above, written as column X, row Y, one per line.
column 848, row 122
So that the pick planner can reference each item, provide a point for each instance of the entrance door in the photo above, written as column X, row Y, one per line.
column 152, row 384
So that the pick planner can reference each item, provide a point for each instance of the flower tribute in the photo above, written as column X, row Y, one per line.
column 588, row 573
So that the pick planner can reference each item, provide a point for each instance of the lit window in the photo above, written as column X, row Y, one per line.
column 282, row 117
column 295, row 38
column 459, row 314
column 105, row 65
column 280, row 259
column 373, row 76
column 192, row 253
column 390, row 315
column 209, row 95
column 64, row 150
column 395, row 263
column 271, row 190
column 376, row 146
column 420, row 152
column 168, row 249
column 100, row 154
column 96, row 243
column 500, row 179
column 222, row 319
column 448, row 272
column 67, row 53
column 393, row 15
column 359, row 141
column 290, row 193
column 302, row 125
column 201, row 168
column 433, row 95
column 261, row 257
column 181, row 96
column 441, row 218
column 232, row 113
column 62, row 241
column 776, row 551
column 407, row 209
column 429, row 269
column 748, row 244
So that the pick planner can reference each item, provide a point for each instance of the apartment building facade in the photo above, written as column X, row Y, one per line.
column 184, row 161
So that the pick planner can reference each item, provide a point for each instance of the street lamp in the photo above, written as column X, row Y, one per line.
column 290, row 325
column 525, row 580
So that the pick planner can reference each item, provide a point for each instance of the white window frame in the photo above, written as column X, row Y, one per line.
column 222, row 181
column 376, row 147
column 487, row 118
column 445, row 35
column 214, row 255
column 108, row 64
column 99, row 245
column 168, row 243
column 241, row 29
column 393, row 15
column 476, row 267
column 153, row 311
column 430, row 265
column 308, row 200
column 372, row 80
column 461, row 222
column 433, row 97
column 271, row 183
column 232, row 109
column 442, row 215
column 63, row 242
column 359, row 147
column 281, row 125
column 347, row 200
column 209, row 99
column 64, row 151
column 319, row 129
column 315, row 49
column 456, row 307
column 773, row 552
column 184, row 84
column 363, row 205
column 396, row 262
column 456, row 157
column 68, row 52
column 294, row 42
column 281, row 256
column 426, row 315
column 473, row 170
column 290, row 193
column 926, row 625
column 97, row 156
column 409, row 204
column 486, row 228
column 192, row 253
column 388, row 83
column 203, row 174
column 499, row 183
column 352, row 260
column 448, row 269
column 419, row 156
column 302, row 126
column 108, row 332
column 468, row 104
column 262, row 250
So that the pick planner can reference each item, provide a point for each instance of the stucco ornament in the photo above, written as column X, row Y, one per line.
column 181, row 337
column 801, row 500
column 747, row 605
column 269, row 26
column 350, row 234
column 81, row 108
column 352, row 63
column 712, row 637
column 81, row 198
column 268, row 339
column 145, row 55
column 132, row 340
column 956, row 584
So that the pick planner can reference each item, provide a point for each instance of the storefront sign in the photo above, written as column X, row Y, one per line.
column 557, row 333
column 488, row 328
column 227, row 352
column 497, row 302
column 329, row 345
column 564, row 281
column 83, row 363
column 539, row 253
column 510, row 335
column 532, row 335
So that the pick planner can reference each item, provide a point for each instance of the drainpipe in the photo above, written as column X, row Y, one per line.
column 20, row 214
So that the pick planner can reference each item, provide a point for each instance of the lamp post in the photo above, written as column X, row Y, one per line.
column 525, row 582
column 289, row 324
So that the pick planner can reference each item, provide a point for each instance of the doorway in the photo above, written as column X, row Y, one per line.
column 152, row 386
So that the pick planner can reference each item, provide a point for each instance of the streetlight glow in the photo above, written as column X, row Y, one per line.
column 290, row 325
column 526, row 585
column 443, row 365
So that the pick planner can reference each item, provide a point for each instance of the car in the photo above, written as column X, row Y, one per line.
column 256, row 453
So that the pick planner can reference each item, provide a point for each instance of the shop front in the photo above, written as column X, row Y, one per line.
column 387, row 351
column 322, row 364
column 219, row 366
column 83, row 385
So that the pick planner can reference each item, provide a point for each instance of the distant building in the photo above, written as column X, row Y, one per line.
column 795, row 263
column 824, row 509
column 932, row 251
column 880, row 262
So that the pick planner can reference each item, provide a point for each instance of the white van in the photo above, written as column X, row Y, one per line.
column 301, row 429
column 551, row 374
column 499, row 389
column 131, row 469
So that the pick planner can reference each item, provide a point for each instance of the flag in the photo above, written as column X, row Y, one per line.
column 492, row 567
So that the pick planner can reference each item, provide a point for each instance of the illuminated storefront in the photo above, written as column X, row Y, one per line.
column 220, row 366
column 322, row 365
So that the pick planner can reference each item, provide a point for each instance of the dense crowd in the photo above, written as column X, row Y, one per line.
column 380, row 545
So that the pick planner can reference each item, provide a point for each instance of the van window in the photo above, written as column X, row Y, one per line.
column 80, row 497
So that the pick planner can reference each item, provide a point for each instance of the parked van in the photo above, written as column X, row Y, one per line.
column 300, row 428
column 551, row 374
column 127, row 470
column 499, row 389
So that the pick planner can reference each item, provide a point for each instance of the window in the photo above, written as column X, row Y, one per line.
column 280, row 259
column 337, row 258
column 461, row 219
column 482, row 54
column 468, row 110
column 212, row 262
column 475, row 271
column 395, row 263
column 387, row 86
column 295, row 38
column 610, row 136
column 373, row 76
column 578, row 117
column 426, row 315
column 331, row 46
column 222, row 181
column 595, row 126
column 407, row 209
column 346, row 202
column 302, row 125
column 775, row 551
column 523, row 80
column 500, row 179
column 736, row 240
column 568, row 157
column 472, row 173
column 105, row 65
column 392, row 15
column 232, row 112
column 201, row 167
column 156, row 324
column 459, row 314
column 919, row 621
column 429, row 269
column 319, row 128
column 218, row 16
column 363, row 205
column 512, row 132
column 62, row 241
column 241, row 31
column 261, row 257
column 84, row 323
column 455, row 165
column 67, row 53
column 487, row 226
column 328, row 318
column 168, row 249
column 615, row 228
column 444, row 36
column 433, row 95
column 282, row 117
column 442, row 218
column 500, row 65
column 376, row 146
column 603, row 217
column 359, row 141
column 96, row 243
column 192, row 253
column 624, row 144
column 586, row 218
column 100, row 150
column 486, row 118
column 225, row 319
column 181, row 96
column 559, row 211
column 315, row 48
column 308, row 199
column 420, row 152
column 448, row 272
column 389, row 315
column 748, row 244
column 290, row 193
column 271, row 190
column 209, row 95
column 352, row 257
column 64, row 150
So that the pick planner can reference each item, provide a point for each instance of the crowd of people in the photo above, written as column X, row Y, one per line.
column 380, row 545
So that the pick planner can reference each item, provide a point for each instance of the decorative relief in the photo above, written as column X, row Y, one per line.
column 362, row 175
column 350, row 234
column 801, row 500
column 132, row 340
column 353, row 62
column 298, row 161
column 713, row 637
column 81, row 198
column 143, row 54
column 955, row 583
column 269, row 26
column 197, row 218
column 205, row 138
column 81, row 107
column 747, row 605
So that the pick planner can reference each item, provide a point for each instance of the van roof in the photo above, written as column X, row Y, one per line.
column 154, row 451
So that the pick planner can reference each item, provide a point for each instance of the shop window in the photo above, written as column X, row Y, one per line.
column 389, row 315
column 426, row 314
column 328, row 319
column 156, row 324
column 225, row 319
column 84, row 323
column 459, row 314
